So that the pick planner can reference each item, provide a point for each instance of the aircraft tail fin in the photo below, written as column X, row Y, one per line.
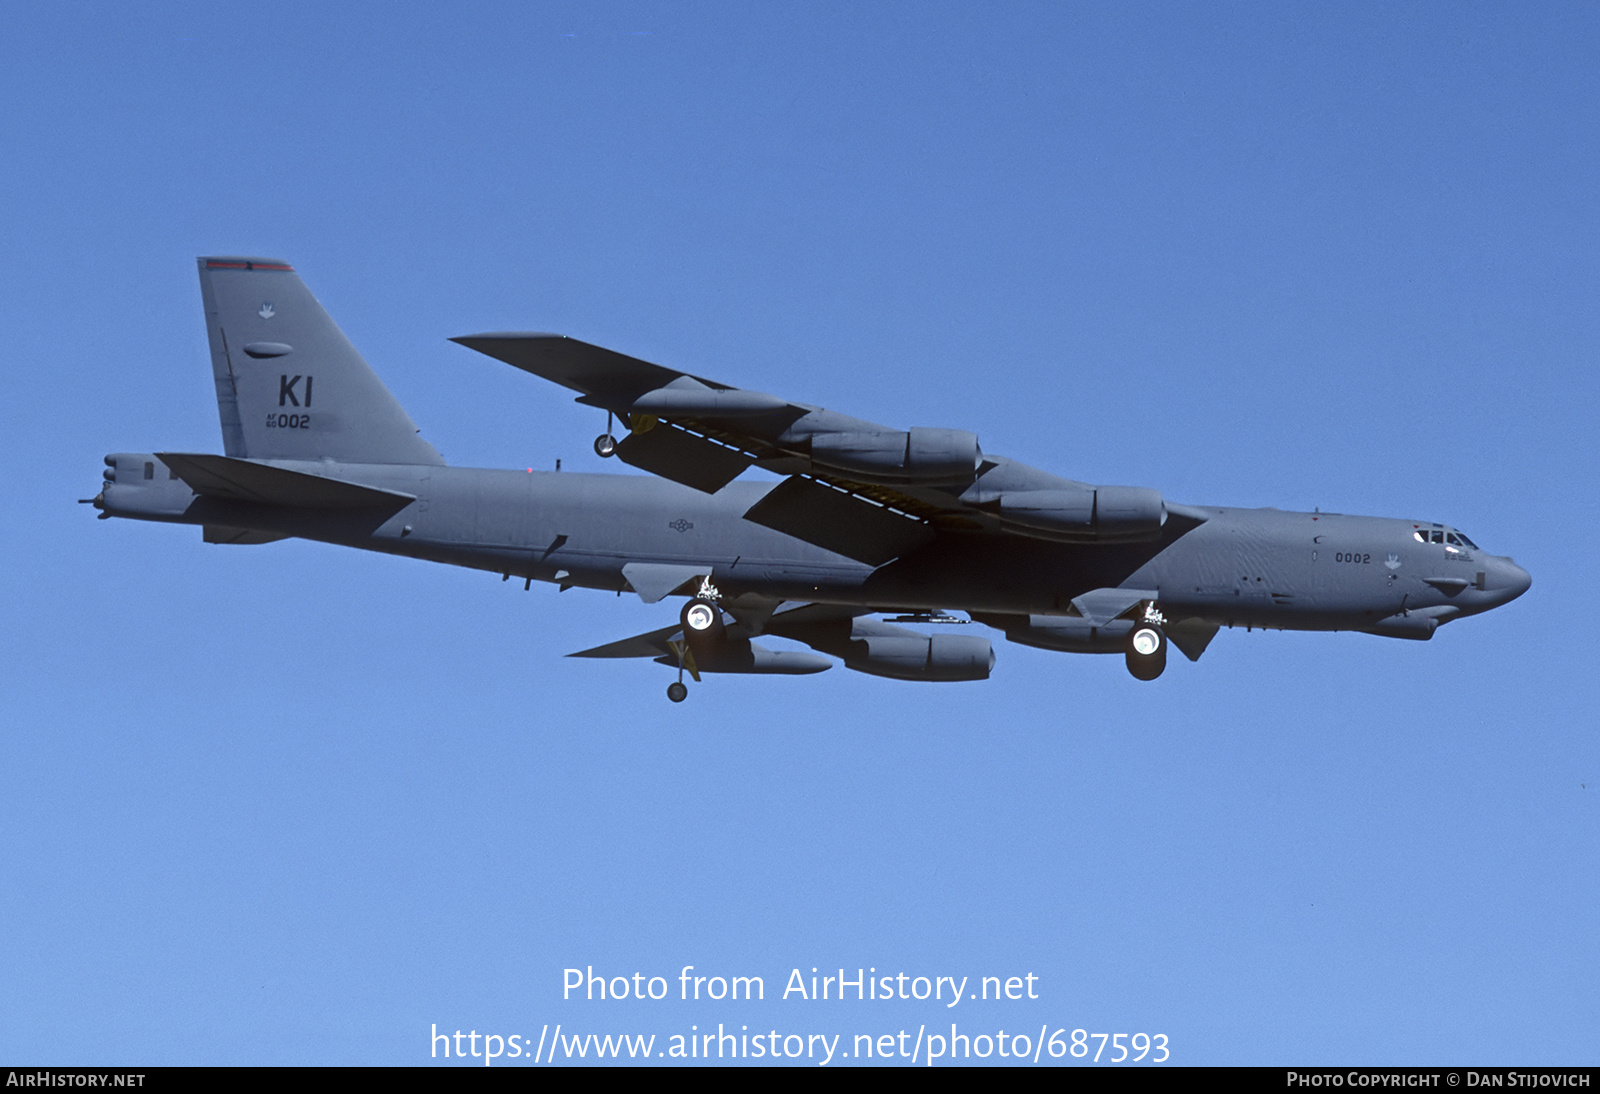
column 290, row 386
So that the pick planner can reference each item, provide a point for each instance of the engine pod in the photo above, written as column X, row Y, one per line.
column 1090, row 513
column 1128, row 512
column 944, row 657
column 917, row 456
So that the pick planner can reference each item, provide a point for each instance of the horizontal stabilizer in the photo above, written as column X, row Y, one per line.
column 244, row 480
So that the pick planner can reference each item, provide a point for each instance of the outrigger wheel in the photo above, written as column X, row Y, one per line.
column 1147, row 651
column 605, row 445
column 677, row 691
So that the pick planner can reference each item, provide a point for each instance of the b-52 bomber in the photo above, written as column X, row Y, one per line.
column 865, row 520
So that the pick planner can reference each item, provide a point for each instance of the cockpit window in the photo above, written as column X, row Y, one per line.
column 1440, row 535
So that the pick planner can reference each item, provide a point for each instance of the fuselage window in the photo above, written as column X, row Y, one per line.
column 1453, row 538
column 1420, row 536
column 1436, row 536
column 1467, row 541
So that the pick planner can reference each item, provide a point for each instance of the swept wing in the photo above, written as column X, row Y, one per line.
column 864, row 490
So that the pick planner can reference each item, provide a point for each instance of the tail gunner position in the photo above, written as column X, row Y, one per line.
column 867, row 520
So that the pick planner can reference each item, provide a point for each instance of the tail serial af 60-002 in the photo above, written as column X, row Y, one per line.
column 865, row 520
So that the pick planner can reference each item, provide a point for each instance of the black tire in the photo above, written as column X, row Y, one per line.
column 677, row 692
column 605, row 446
column 702, row 621
column 1147, row 652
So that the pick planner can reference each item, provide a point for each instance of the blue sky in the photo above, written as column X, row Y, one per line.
column 293, row 804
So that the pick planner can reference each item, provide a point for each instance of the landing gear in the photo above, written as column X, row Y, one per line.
column 605, row 445
column 1147, row 652
column 702, row 631
column 702, row 621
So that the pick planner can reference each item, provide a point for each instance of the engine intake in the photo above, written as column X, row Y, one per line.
column 922, row 657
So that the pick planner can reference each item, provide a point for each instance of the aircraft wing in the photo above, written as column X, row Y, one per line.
column 867, row 491
column 672, row 416
column 736, row 654
column 867, row 645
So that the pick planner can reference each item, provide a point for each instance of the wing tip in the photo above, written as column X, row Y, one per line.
column 242, row 262
column 504, row 336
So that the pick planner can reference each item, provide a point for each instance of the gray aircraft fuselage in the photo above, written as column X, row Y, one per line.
column 1240, row 568
column 866, row 519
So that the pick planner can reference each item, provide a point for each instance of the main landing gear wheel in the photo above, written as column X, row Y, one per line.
column 605, row 446
column 1147, row 652
column 677, row 691
column 701, row 620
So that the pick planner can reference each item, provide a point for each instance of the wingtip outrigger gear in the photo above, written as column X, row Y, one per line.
column 605, row 445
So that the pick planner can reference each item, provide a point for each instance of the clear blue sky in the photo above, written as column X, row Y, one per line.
column 294, row 804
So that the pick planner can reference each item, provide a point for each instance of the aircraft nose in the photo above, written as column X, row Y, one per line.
column 1511, row 580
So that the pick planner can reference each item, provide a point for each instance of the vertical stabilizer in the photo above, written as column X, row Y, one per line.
column 290, row 386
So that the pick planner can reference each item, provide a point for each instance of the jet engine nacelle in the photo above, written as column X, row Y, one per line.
column 1072, row 634
column 919, row 455
column 1092, row 513
column 922, row 657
